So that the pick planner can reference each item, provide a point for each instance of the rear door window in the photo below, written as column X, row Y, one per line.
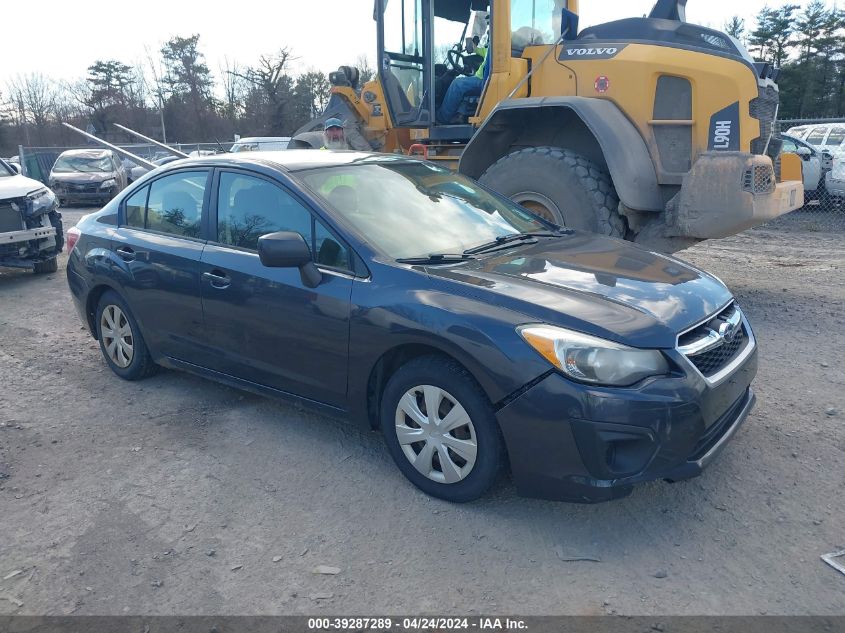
column 172, row 204
column 837, row 134
column 175, row 204
column 136, row 209
column 816, row 136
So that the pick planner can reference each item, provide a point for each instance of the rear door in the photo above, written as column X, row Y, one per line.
column 263, row 324
column 159, row 243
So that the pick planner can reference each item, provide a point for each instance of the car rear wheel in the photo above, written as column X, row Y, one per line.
column 441, row 430
column 121, row 341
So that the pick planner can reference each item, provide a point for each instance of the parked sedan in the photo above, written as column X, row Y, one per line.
column 88, row 176
column 413, row 300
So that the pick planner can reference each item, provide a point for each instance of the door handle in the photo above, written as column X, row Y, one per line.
column 125, row 253
column 217, row 279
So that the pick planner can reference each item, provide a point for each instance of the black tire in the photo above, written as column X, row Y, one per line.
column 560, row 185
column 141, row 364
column 47, row 266
column 445, row 374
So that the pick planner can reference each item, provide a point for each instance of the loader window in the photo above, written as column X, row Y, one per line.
column 402, row 64
column 534, row 22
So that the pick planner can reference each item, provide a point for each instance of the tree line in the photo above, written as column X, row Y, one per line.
column 809, row 47
column 172, row 95
column 175, row 95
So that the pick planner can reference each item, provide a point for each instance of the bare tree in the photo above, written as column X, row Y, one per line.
column 271, row 78
column 34, row 96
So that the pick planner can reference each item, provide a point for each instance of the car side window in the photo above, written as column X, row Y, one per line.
column 816, row 136
column 249, row 207
column 175, row 203
column 789, row 146
column 136, row 208
column 837, row 134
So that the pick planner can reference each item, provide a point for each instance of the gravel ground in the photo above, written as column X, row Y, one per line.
column 177, row 495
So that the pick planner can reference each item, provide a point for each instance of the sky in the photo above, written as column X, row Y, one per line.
column 61, row 39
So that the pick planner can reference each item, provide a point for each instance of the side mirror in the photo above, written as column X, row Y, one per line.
column 804, row 152
column 286, row 249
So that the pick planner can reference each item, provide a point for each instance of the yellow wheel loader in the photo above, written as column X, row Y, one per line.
column 650, row 129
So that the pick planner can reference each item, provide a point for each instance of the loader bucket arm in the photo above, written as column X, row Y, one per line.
column 670, row 10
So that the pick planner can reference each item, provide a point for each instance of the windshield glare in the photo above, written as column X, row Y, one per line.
column 68, row 164
column 413, row 209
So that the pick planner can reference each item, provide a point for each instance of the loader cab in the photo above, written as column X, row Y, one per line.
column 424, row 45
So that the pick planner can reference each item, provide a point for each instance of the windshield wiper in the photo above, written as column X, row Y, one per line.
column 437, row 258
column 507, row 239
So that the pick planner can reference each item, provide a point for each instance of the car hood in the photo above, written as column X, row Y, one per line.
column 81, row 177
column 596, row 285
column 17, row 186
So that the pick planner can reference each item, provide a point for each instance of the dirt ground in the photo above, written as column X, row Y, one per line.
column 179, row 496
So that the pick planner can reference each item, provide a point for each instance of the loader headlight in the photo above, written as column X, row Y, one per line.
column 591, row 359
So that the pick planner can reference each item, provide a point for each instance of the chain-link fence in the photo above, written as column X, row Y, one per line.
column 37, row 162
column 820, row 143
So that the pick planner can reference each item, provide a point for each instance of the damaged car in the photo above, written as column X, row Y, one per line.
column 88, row 176
column 30, row 223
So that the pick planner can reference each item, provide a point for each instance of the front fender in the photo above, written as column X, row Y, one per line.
column 595, row 128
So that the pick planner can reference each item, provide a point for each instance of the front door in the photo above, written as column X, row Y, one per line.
column 263, row 324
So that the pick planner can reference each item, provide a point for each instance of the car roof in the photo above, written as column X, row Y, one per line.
column 87, row 153
column 293, row 159
column 253, row 139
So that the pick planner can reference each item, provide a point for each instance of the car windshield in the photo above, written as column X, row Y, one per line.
column 414, row 209
column 5, row 171
column 68, row 164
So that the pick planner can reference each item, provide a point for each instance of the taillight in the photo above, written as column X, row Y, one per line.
column 73, row 234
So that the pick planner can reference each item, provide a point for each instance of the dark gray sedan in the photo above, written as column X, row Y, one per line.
column 412, row 300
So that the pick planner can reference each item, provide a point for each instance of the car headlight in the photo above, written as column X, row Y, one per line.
column 108, row 184
column 40, row 200
column 591, row 359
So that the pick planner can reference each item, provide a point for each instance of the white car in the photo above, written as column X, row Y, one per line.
column 261, row 144
column 835, row 178
column 814, row 164
column 822, row 136
column 30, row 224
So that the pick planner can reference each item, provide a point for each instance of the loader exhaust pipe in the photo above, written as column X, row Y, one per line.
column 122, row 152
column 151, row 141
column 670, row 10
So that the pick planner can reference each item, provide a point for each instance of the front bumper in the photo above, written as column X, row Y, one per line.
column 571, row 442
column 17, row 237
column 86, row 197
column 727, row 192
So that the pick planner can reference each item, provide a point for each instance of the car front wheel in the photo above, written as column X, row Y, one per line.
column 441, row 430
column 121, row 341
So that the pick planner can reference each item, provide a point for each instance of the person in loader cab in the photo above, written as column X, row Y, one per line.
column 464, row 87
column 333, row 135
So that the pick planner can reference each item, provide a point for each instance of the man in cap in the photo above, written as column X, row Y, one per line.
column 333, row 135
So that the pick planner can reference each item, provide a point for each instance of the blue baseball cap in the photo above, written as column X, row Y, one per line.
column 333, row 122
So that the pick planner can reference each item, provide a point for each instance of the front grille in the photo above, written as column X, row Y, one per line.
column 759, row 179
column 86, row 188
column 711, row 362
column 10, row 219
column 712, row 346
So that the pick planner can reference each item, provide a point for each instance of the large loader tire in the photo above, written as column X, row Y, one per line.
column 561, row 186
